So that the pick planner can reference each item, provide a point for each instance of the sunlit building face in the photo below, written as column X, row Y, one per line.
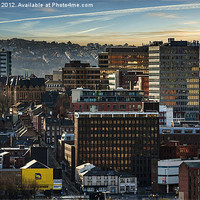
column 174, row 79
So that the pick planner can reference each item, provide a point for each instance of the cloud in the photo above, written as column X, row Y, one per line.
column 106, row 18
column 190, row 22
column 89, row 30
column 28, row 25
column 162, row 14
column 113, row 12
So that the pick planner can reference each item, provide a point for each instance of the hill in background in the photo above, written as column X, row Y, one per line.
column 41, row 57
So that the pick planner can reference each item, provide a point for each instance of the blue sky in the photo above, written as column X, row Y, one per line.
column 108, row 21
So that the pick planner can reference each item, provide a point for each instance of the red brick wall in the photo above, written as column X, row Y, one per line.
column 187, row 151
column 106, row 106
column 184, row 180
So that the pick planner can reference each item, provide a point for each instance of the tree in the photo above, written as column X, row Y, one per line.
column 29, row 187
column 10, row 189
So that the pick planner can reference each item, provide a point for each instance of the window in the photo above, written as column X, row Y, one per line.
column 132, row 180
column 122, row 180
column 122, row 188
column 98, row 182
column 112, row 182
column 122, row 106
column 48, row 140
column 114, row 107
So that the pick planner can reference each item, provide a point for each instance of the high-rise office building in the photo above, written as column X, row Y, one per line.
column 174, row 77
column 76, row 74
column 122, row 141
column 5, row 63
column 127, row 58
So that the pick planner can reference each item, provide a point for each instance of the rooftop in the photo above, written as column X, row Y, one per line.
column 127, row 49
column 34, row 164
column 192, row 164
column 83, row 165
column 122, row 113
column 67, row 122
column 4, row 153
column 175, row 162
column 98, row 172
column 13, row 148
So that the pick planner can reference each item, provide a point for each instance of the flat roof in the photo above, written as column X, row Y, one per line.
column 173, row 162
column 180, row 127
column 101, row 113
column 12, row 148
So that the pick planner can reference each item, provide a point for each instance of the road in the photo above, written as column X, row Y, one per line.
column 67, row 184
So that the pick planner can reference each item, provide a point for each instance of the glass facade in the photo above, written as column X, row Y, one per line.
column 113, row 96
column 127, row 58
column 174, row 79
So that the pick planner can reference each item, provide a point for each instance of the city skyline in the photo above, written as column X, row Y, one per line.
column 116, row 22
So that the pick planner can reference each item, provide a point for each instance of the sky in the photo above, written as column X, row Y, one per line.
column 135, row 22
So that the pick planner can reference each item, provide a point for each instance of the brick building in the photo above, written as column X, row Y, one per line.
column 66, row 155
column 189, row 181
column 54, row 128
column 107, row 100
column 6, row 122
column 17, row 158
column 185, row 135
column 175, row 150
column 167, row 177
column 76, row 74
column 25, row 89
